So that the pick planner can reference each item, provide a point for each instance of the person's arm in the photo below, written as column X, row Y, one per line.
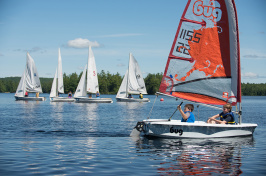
column 219, row 121
column 182, row 113
column 213, row 118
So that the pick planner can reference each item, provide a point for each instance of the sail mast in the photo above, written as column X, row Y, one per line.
column 128, row 75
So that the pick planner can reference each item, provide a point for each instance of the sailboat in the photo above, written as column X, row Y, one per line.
column 29, row 82
column 133, row 83
column 203, row 67
column 58, row 84
column 89, row 85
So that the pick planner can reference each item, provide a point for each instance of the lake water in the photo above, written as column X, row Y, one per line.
column 46, row 138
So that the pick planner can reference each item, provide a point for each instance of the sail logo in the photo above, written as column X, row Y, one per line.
column 212, row 11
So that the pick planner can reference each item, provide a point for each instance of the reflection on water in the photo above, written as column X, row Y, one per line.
column 67, row 138
column 131, row 105
column 132, row 109
column 196, row 156
column 57, row 109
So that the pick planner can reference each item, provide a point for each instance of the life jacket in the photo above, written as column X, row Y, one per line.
column 140, row 96
column 224, row 116
column 190, row 119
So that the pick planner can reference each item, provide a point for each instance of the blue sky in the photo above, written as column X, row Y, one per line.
column 116, row 28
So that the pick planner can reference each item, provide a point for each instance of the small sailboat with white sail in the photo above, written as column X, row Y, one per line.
column 133, row 83
column 29, row 83
column 58, row 84
column 203, row 67
column 88, row 84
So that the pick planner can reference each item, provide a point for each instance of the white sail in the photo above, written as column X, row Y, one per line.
column 135, row 83
column 53, row 89
column 60, row 74
column 21, row 89
column 122, row 92
column 32, row 81
column 81, row 89
column 92, row 78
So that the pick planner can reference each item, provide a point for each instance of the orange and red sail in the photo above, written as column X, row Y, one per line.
column 204, row 63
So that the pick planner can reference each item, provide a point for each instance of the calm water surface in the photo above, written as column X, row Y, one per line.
column 45, row 138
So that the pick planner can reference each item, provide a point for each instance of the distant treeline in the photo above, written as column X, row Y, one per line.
column 110, row 83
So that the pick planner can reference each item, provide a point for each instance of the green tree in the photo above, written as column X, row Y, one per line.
column 153, row 82
column 2, row 86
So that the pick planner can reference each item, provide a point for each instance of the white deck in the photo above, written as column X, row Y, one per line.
column 30, row 98
column 132, row 100
column 61, row 99
column 92, row 100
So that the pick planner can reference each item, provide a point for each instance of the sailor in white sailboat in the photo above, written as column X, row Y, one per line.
column 187, row 115
column 129, row 96
column 97, row 94
column 140, row 96
column 226, row 117
column 69, row 94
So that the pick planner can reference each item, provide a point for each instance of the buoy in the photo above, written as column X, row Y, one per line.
column 161, row 99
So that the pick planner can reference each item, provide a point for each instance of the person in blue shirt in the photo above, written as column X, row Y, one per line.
column 97, row 94
column 226, row 117
column 187, row 115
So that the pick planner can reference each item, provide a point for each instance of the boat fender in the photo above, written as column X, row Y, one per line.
column 140, row 126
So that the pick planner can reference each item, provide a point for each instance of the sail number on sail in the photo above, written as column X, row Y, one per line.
column 180, row 131
column 187, row 35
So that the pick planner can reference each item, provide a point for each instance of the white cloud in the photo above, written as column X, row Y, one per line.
column 82, row 43
column 80, row 68
column 120, row 35
column 120, row 65
column 250, row 75
column 254, row 56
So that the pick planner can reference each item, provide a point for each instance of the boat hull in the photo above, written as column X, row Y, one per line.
column 61, row 99
column 132, row 100
column 177, row 129
column 30, row 98
column 93, row 100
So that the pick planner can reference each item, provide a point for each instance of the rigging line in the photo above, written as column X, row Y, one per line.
column 152, row 107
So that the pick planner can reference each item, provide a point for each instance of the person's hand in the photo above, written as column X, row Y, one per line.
column 179, row 107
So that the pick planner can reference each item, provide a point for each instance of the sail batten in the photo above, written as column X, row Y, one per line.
column 204, row 59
